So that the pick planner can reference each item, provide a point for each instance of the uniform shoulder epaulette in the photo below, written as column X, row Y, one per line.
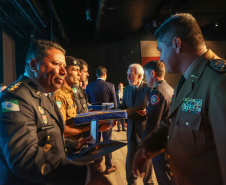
column 218, row 65
column 14, row 87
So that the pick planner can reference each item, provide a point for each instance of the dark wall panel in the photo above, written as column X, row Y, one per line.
column 1, row 56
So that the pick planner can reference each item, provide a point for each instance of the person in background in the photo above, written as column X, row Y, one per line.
column 119, row 95
column 158, row 110
column 33, row 149
column 194, row 133
column 79, row 95
column 84, row 84
column 135, row 98
column 101, row 91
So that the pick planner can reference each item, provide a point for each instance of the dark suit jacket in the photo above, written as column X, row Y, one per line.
column 197, row 125
column 135, row 120
column 32, row 146
column 101, row 91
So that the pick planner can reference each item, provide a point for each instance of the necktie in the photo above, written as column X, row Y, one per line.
column 181, row 82
column 134, row 95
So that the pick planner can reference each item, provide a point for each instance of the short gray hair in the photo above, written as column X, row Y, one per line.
column 138, row 69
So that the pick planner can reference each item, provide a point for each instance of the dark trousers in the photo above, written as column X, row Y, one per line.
column 162, row 170
column 121, row 122
column 132, row 146
column 106, row 136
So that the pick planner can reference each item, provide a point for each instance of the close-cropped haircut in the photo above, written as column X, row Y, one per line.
column 157, row 66
column 38, row 49
column 182, row 25
column 100, row 71
column 82, row 62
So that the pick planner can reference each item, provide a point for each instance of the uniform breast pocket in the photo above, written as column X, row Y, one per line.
column 71, row 112
column 190, row 128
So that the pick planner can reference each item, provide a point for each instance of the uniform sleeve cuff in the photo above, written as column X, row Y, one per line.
column 88, row 175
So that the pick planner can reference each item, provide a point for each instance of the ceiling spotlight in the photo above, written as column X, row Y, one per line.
column 88, row 15
column 216, row 24
column 88, row 12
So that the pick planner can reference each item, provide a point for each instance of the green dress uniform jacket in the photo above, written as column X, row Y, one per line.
column 32, row 146
column 197, row 126
column 80, row 98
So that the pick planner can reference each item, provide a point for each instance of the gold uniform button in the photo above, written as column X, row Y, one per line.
column 65, row 150
column 45, row 169
column 171, row 173
column 168, row 156
column 48, row 138
column 47, row 147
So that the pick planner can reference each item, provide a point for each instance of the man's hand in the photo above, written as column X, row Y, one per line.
column 140, row 159
column 142, row 112
column 105, row 127
column 83, row 141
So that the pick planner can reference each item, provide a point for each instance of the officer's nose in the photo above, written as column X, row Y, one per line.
column 63, row 71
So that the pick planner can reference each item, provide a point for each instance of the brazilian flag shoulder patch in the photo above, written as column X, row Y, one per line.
column 10, row 106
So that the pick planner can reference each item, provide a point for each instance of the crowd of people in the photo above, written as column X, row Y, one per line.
column 180, row 133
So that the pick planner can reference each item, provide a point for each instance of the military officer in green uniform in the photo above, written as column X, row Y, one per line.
column 79, row 95
column 33, row 149
column 194, row 134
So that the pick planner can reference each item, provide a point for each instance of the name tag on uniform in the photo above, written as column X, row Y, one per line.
column 45, row 127
column 193, row 106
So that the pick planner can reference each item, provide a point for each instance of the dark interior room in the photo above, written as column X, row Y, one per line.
column 101, row 32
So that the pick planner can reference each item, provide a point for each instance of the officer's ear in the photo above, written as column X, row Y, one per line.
column 177, row 44
column 153, row 73
column 140, row 76
column 33, row 65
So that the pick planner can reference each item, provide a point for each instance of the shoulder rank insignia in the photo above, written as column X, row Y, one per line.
column 10, row 106
column 218, row 65
column 14, row 86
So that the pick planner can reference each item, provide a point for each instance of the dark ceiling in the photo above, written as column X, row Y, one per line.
column 82, row 22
